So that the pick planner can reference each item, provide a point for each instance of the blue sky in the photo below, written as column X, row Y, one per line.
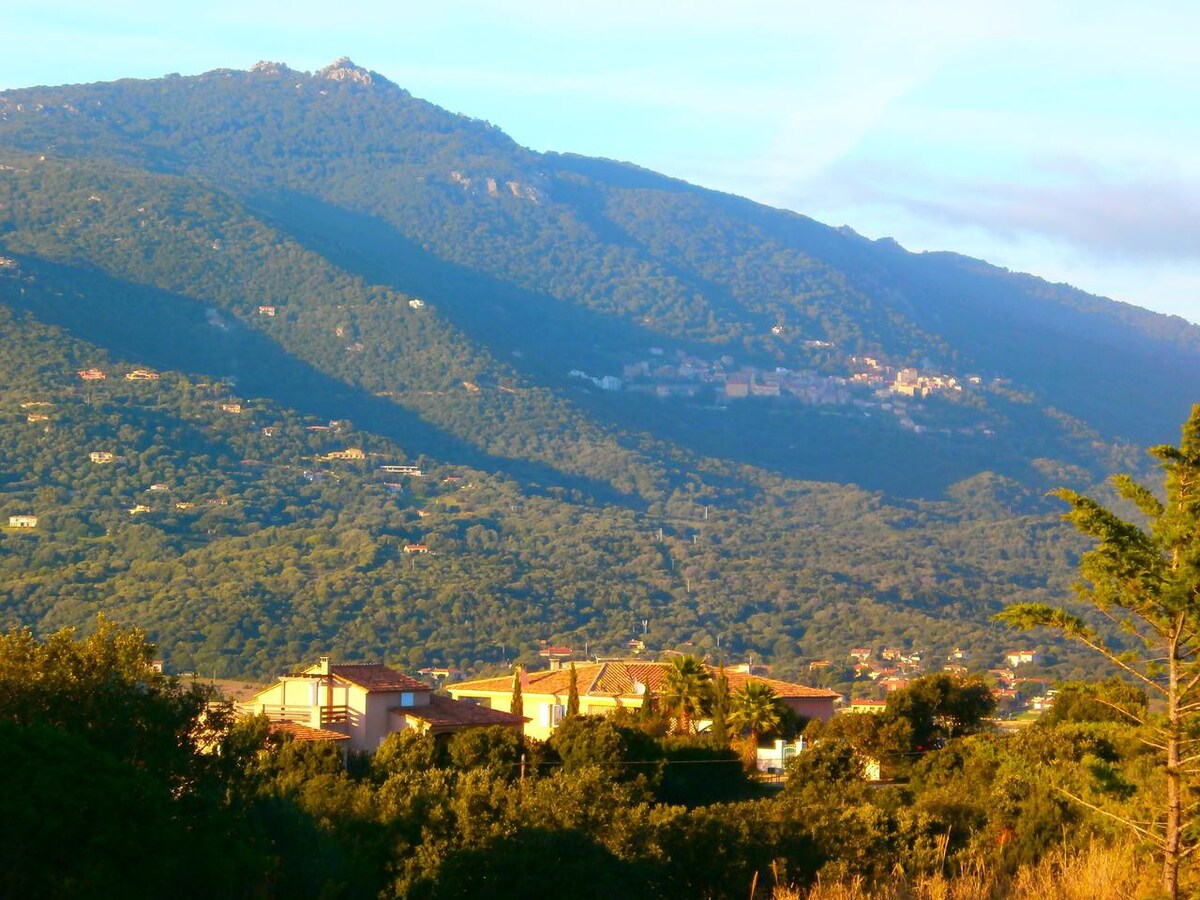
column 1057, row 138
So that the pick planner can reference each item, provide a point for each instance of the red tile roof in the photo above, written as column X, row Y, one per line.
column 376, row 677
column 619, row 678
column 306, row 733
column 442, row 712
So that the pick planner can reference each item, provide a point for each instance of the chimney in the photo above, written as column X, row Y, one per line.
column 323, row 666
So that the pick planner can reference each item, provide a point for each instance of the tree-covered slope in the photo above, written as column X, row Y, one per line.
column 223, row 525
column 574, row 261
column 316, row 264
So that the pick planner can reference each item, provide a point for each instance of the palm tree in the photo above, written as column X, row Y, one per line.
column 755, row 708
column 686, row 689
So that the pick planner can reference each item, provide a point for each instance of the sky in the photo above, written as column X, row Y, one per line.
column 1052, row 137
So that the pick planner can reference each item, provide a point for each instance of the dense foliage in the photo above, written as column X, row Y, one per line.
column 178, row 802
column 252, row 552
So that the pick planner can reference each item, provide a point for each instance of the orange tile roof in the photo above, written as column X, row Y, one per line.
column 376, row 677
column 306, row 733
column 443, row 712
column 618, row 678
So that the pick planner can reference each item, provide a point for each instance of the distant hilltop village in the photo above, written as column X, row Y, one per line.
column 871, row 384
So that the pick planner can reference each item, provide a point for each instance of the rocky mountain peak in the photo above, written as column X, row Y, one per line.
column 266, row 67
column 345, row 70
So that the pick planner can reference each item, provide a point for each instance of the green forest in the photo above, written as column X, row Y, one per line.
column 241, row 547
column 553, row 515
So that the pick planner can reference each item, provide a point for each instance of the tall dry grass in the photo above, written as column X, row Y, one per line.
column 1098, row 873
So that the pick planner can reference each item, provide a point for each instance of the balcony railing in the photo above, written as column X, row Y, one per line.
column 300, row 712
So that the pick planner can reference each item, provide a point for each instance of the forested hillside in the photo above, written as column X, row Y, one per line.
column 322, row 264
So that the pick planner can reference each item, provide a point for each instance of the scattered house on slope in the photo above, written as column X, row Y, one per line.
column 141, row 375
column 362, row 704
column 1022, row 657
column 773, row 760
column 863, row 705
column 22, row 521
column 605, row 687
column 101, row 456
column 91, row 375
column 403, row 470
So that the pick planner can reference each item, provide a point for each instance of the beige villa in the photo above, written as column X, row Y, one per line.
column 605, row 687
column 361, row 704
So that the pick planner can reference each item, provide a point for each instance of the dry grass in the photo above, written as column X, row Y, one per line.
column 1097, row 873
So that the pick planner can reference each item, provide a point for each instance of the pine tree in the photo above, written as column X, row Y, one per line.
column 1146, row 580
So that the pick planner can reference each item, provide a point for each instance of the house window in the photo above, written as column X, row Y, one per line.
column 552, row 714
column 406, row 698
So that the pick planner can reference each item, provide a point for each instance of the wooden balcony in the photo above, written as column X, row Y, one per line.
column 300, row 712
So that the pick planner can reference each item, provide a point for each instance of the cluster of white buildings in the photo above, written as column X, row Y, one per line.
column 682, row 374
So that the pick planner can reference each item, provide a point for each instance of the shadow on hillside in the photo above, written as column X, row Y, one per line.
column 170, row 332
column 552, row 337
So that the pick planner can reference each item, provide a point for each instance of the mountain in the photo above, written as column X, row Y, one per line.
column 758, row 464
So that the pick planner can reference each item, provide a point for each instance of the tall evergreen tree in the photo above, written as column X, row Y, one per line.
column 1147, row 581
column 573, row 693
column 720, row 708
column 646, row 710
column 517, row 704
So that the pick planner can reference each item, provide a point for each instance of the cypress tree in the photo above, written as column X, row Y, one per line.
column 517, row 704
column 720, row 708
column 646, row 711
column 573, row 693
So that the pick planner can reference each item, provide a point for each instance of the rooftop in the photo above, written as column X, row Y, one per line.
column 369, row 676
column 624, row 678
column 442, row 712
column 306, row 733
